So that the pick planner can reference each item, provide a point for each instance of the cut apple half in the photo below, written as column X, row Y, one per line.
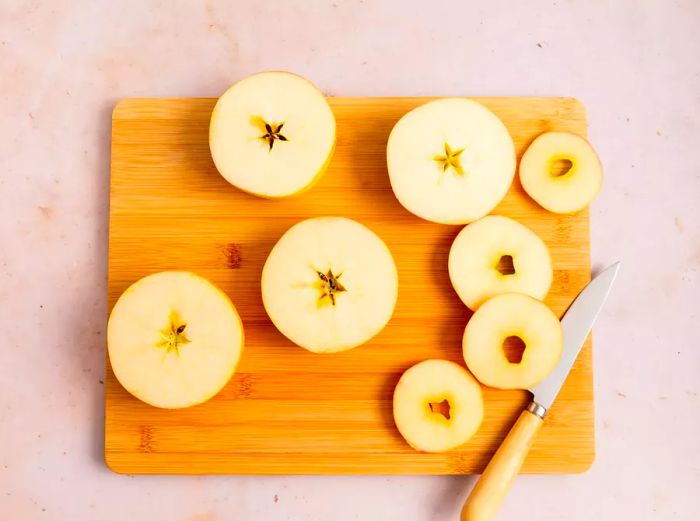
column 497, row 320
column 329, row 284
column 272, row 134
column 497, row 255
column 174, row 339
column 438, row 406
column 450, row 160
column 561, row 172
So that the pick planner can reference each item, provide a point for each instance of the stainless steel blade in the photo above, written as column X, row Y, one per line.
column 577, row 323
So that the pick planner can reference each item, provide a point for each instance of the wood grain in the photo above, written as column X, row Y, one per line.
column 288, row 411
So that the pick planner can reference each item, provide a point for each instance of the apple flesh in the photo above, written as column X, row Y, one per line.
column 478, row 250
column 504, row 316
column 272, row 134
column 329, row 284
column 561, row 192
column 450, row 160
column 438, row 406
column 174, row 339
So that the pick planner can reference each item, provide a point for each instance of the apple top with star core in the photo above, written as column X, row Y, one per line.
column 272, row 134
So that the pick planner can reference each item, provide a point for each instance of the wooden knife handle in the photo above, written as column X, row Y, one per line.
column 489, row 491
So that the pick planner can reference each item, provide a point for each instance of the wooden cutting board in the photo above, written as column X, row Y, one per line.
column 288, row 411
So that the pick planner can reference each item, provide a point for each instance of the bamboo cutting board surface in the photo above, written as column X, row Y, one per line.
column 288, row 411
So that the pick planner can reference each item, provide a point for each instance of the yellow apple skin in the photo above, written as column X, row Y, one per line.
column 568, row 193
column 433, row 381
column 505, row 315
column 288, row 167
column 191, row 371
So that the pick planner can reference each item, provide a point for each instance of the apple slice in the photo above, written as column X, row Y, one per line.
column 329, row 284
column 438, row 406
column 450, row 161
column 272, row 134
column 561, row 172
column 478, row 262
column 500, row 318
column 174, row 339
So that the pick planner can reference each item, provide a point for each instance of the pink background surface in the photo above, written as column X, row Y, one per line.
column 63, row 65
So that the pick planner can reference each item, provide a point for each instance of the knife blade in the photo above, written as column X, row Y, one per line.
column 489, row 491
column 576, row 323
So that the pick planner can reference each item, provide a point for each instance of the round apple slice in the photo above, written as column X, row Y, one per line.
column 329, row 284
column 174, row 339
column 438, row 406
column 450, row 161
column 495, row 322
column 561, row 172
column 498, row 255
column 272, row 134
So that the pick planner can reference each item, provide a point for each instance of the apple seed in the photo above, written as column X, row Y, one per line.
column 330, row 285
column 173, row 336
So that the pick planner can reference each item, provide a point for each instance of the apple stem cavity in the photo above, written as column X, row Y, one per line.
column 450, row 159
column 330, row 285
column 272, row 133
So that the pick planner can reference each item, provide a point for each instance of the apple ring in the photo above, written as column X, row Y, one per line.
column 477, row 250
column 431, row 385
column 571, row 191
column 507, row 315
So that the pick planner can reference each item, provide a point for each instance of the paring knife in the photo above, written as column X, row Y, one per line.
column 489, row 491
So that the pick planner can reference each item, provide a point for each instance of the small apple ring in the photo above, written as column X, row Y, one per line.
column 434, row 384
column 477, row 253
column 561, row 192
column 503, row 316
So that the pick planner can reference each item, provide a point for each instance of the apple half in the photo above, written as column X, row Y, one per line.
column 272, row 134
column 174, row 339
column 450, row 160
column 329, row 284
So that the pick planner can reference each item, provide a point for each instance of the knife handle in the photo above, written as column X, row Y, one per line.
column 489, row 491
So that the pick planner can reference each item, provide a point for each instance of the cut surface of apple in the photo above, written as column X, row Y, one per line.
column 174, row 339
column 272, row 134
column 512, row 315
column 329, row 284
column 561, row 172
column 438, row 406
column 480, row 255
column 450, row 160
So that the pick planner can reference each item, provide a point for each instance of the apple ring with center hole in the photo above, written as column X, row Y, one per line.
column 561, row 172
column 438, row 405
column 504, row 316
column 478, row 259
